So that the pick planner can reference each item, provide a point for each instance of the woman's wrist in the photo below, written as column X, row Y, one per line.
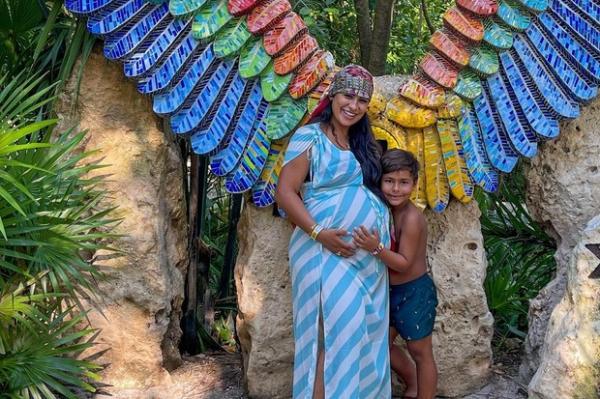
column 315, row 229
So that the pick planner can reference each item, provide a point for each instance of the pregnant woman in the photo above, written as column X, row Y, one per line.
column 328, row 186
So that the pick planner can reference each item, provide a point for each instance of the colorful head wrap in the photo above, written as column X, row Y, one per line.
column 352, row 79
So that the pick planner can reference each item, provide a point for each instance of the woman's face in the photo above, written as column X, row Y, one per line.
column 348, row 108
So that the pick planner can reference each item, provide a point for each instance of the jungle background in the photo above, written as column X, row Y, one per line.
column 51, row 221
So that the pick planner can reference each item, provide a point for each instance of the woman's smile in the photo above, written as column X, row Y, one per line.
column 348, row 108
column 349, row 113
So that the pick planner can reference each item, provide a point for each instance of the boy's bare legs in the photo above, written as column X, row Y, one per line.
column 403, row 365
column 319, row 392
column 422, row 352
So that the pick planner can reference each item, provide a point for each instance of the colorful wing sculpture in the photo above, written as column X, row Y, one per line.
column 238, row 76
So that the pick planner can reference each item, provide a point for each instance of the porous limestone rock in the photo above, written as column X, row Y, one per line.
column 463, row 328
column 264, row 293
column 141, row 299
column 562, row 194
column 570, row 357
column 464, row 325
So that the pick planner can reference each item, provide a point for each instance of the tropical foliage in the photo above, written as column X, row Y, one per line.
column 51, row 218
column 520, row 255
column 217, row 304
column 334, row 24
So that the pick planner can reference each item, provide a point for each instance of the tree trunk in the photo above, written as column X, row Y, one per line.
column 363, row 22
column 426, row 16
column 382, row 25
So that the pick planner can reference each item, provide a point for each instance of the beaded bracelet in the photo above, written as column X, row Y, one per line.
column 378, row 250
column 315, row 229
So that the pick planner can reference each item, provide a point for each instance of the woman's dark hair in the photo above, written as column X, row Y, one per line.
column 394, row 160
column 363, row 146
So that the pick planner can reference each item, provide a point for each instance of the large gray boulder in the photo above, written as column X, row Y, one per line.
column 140, row 301
column 264, row 293
column 570, row 357
column 562, row 194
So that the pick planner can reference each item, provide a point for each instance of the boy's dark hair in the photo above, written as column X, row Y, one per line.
column 394, row 160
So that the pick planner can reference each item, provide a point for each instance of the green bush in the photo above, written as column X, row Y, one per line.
column 50, row 221
column 520, row 254
column 51, row 217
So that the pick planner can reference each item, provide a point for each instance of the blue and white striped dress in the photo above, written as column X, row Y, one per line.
column 351, row 292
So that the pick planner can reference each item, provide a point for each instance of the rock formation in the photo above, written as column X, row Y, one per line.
column 464, row 325
column 141, row 298
column 264, row 292
column 570, row 356
column 563, row 192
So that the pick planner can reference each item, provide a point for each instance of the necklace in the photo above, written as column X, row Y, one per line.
column 345, row 146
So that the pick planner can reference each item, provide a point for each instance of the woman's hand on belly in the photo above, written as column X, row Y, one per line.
column 333, row 240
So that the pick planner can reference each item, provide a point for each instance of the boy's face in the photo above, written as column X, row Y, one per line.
column 397, row 186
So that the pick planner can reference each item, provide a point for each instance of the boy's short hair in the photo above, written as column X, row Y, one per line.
column 394, row 160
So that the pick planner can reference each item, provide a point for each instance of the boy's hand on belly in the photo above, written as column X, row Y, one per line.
column 332, row 239
column 363, row 238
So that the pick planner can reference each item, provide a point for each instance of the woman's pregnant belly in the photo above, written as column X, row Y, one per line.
column 348, row 208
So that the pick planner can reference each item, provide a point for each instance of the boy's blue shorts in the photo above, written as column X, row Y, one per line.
column 412, row 308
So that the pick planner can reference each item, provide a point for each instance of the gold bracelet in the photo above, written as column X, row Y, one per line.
column 315, row 229
column 377, row 251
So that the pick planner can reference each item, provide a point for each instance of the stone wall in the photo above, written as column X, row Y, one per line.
column 563, row 195
column 463, row 329
column 140, row 301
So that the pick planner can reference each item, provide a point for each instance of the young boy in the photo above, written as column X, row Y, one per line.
column 412, row 293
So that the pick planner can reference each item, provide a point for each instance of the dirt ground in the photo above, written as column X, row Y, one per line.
column 218, row 375
column 504, row 382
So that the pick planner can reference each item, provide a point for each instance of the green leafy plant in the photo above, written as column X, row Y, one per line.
column 39, row 38
column 51, row 214
column 520, row 255
column 38, row 342
column 52, row 219
column 225, row 331
column 18, row 23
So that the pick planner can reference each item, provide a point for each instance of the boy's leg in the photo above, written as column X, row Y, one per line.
column 403, row 365
column 422, row 352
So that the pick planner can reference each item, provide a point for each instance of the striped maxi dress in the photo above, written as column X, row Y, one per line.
column 351, row 293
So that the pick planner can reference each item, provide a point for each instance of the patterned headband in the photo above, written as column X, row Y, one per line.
column 352, row 79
